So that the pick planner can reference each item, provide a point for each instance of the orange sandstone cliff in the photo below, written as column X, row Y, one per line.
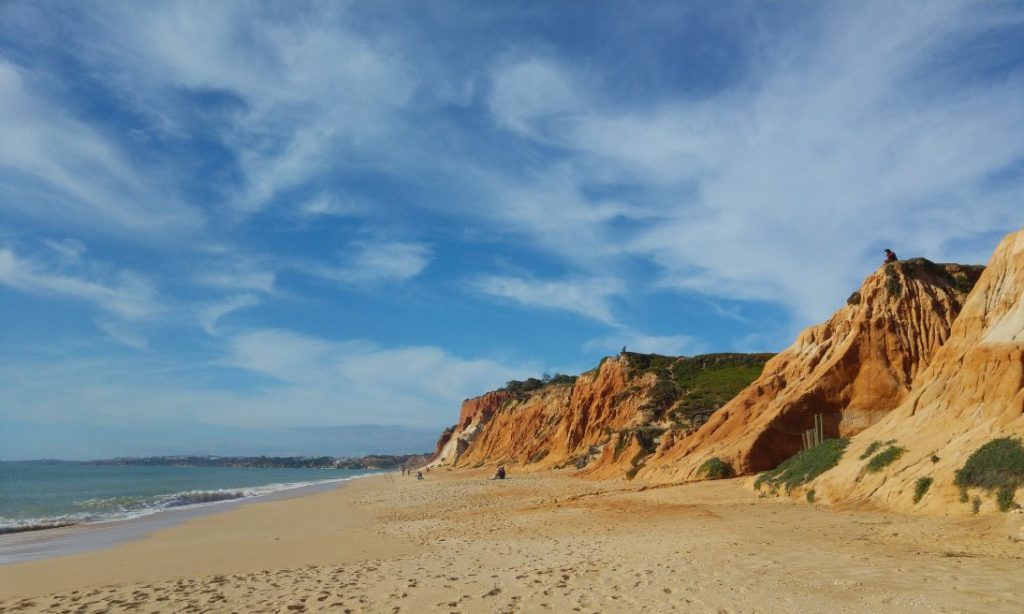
column 853, row 369
column 971, row 394
column 605, row 422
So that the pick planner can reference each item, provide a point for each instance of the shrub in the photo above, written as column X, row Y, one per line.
column 935, row 458
column 997, row 464
column 964, row 497
column 620, row 445
column 715, row 468
column 810, row 496
column 962, row 283
column 884, row 458
column 647, row 437
column 853, row 299
column 975, row 505
column 920, row 488
column 892, row 283
column 1004, row 497
column 804, row 466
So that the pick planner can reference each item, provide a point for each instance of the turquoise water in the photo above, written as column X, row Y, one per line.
column 43, row 495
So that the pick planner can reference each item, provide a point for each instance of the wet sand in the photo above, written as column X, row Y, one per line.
column 534, row 543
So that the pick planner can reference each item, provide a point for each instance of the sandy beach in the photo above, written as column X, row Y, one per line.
column 457, row 542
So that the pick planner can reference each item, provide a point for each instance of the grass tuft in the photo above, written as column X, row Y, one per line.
column 804, row 466
column 871, row 449
column 810, row 496
column 884, row 458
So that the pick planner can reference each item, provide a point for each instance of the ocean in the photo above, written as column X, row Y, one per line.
column 46, row 495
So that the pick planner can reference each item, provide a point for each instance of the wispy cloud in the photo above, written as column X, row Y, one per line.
column 586, row 297
column 370, row 262
column 124, row 334
column 786, row 184
column 361, row 379
column 122, row 293
column 669, row 345
column 211, row 313
column 61, row 170
column 333, row 205
column 302, row 89
column 240, row 277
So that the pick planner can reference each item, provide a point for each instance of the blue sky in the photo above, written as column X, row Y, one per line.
column 221, row 219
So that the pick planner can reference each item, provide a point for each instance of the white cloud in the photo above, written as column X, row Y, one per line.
column 331, row 205
column 123, row 293
column 124, row 335
column 59, row 170
column 362, row 381
column 369, row 262
column 210, row 314
column 290, row 380
column 70, row 250
column 240, row 277
column 303, row 88
column 587, row 297
column 668, row 345
column 526, row 93
column 786, row 184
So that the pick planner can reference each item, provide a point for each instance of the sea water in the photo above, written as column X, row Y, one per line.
column 38, row 495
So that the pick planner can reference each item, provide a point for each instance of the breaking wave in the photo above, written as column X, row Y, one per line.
column 125, row 508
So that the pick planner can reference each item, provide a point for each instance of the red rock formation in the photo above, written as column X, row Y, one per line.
column 553, row 426
column 972, row 392
column 852, row 369
column 474, row 414
column 606, row 422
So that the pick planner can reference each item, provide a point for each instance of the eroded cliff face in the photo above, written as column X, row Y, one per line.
column 550, row 427
column 853, row 369
column 972, row 393
column 473, row 416
column 605, row 423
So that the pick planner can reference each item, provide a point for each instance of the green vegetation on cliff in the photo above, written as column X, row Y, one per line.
column 804, row 466
column 532, row 383
column 998, row 465
column 689, row 389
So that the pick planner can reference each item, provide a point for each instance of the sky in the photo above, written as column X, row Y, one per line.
column 222, row 224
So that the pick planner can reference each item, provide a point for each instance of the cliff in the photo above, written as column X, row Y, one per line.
column 971, row 395
column 605, row 422
column 853, row 370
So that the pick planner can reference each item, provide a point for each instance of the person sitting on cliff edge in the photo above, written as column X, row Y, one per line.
column 890, row 256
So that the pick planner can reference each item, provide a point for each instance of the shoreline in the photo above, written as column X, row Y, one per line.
column 79, row 537
column 536, row 542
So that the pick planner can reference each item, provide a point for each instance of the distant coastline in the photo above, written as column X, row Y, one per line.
column 371, row 461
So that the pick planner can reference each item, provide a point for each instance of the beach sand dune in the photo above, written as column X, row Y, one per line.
column 543, row 542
